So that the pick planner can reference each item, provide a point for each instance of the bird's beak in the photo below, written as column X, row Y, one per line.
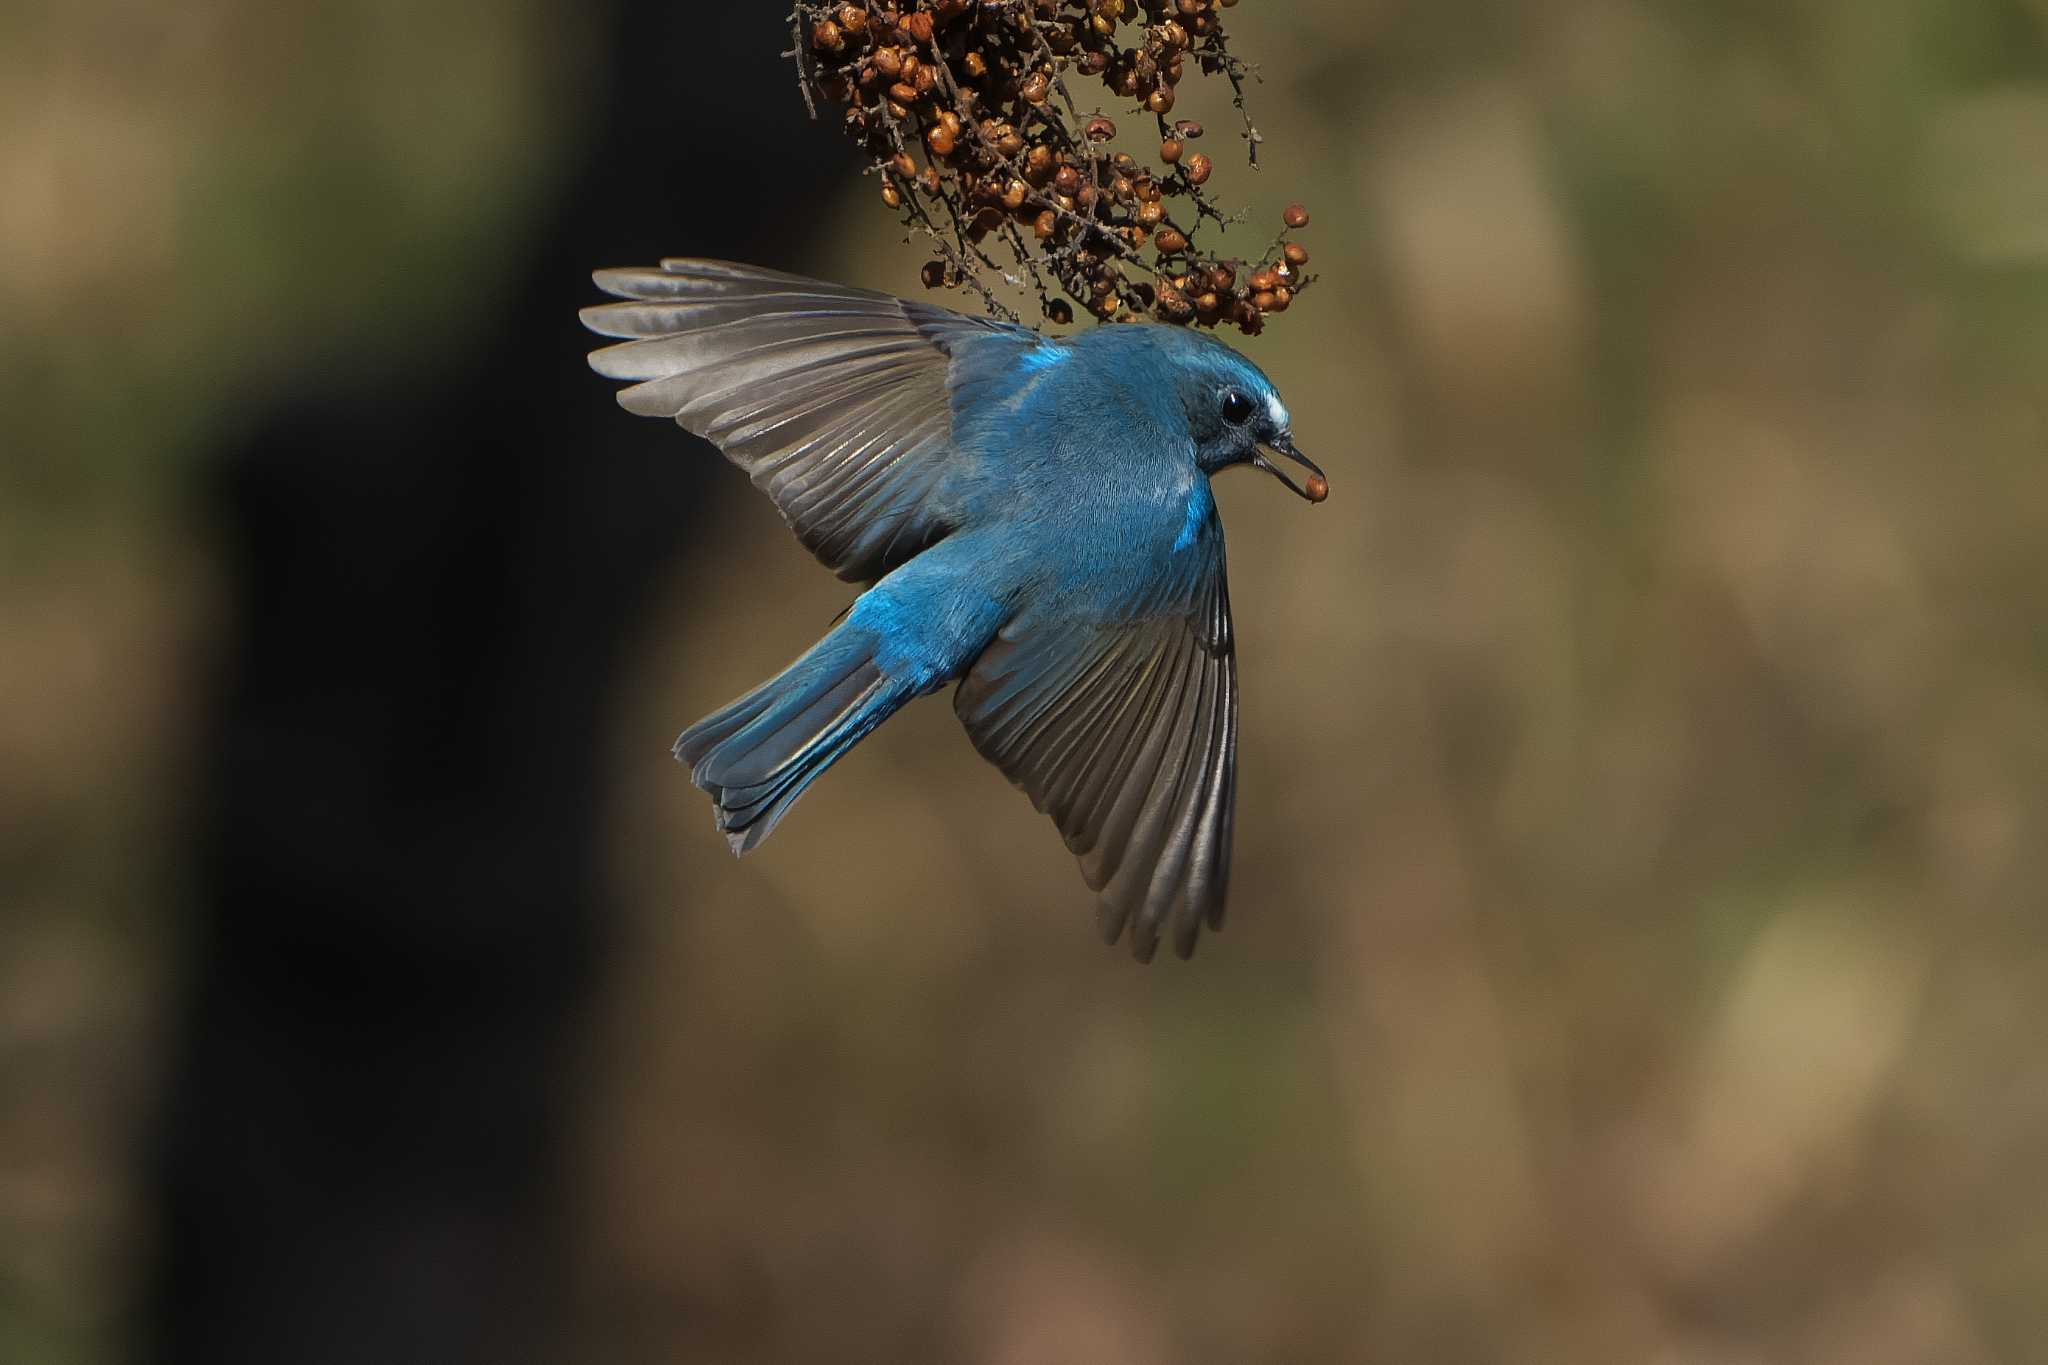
column 1315, row 490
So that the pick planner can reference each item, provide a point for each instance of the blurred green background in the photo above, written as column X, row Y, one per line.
column 1637, row 948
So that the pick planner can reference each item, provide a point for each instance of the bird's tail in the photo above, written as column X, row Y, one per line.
column 757, row 755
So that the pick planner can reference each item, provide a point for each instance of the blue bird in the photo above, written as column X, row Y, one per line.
column 1032, row 519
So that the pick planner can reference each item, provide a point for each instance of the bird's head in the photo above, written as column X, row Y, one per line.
column 1233, row 411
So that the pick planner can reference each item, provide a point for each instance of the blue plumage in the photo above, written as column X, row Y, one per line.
column 1033, row 519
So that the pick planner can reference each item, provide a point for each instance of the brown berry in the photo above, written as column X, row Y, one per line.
column 826, row 37
column 1187, row 130
column 1197, row 168
column 918, row 27
column 941, row 139
column 933, row 274
column 1170, row 241
column 1170, row 149
column 1099, row 129
column 1058, row 311
column 1295, row 253
column 1296, row 216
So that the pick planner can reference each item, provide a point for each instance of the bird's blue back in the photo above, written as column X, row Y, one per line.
column 1077, row 453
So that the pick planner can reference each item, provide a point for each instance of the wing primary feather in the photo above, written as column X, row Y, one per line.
column 1109, row 769
column 1122, row 727
column 1170, row 883
column 1149, row 862
column 836, row 401
column 1211, row 829
column 1114, row 843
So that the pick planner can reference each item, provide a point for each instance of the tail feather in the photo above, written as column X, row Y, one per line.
column 758, row 755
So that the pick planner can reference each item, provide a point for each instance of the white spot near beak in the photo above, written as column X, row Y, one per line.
column 1276, row 411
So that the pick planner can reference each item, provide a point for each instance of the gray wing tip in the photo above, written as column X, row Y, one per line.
column 1117, row 923
column 597, row 317
column 639, row 401
column 1188, row 910
column 652, row 283
column 616, row 280
column 633, row 361
column 688, row 277
column 712, row 268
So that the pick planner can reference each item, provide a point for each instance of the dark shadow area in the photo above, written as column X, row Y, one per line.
column 399, row 914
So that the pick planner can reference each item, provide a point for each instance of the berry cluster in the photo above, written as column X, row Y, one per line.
column 964, row 107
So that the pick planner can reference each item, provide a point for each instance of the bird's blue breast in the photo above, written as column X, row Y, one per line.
column 1201, row 506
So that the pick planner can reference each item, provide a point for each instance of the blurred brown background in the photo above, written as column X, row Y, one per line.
column 1637, row 949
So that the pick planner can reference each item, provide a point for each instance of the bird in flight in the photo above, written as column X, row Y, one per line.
column 1031, row 518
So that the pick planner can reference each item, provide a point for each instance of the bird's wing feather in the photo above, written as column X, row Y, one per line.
column 1122, row 726
column 834, row 400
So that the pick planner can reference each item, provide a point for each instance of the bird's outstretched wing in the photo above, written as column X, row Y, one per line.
column 834, row 400
column 1123, row 727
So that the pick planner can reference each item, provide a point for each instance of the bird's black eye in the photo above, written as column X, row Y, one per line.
column 1237, row 409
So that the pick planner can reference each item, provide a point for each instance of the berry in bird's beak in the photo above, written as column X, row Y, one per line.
column 1317, row 486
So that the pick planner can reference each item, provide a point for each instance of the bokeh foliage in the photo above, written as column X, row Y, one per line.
column 1637, row 950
